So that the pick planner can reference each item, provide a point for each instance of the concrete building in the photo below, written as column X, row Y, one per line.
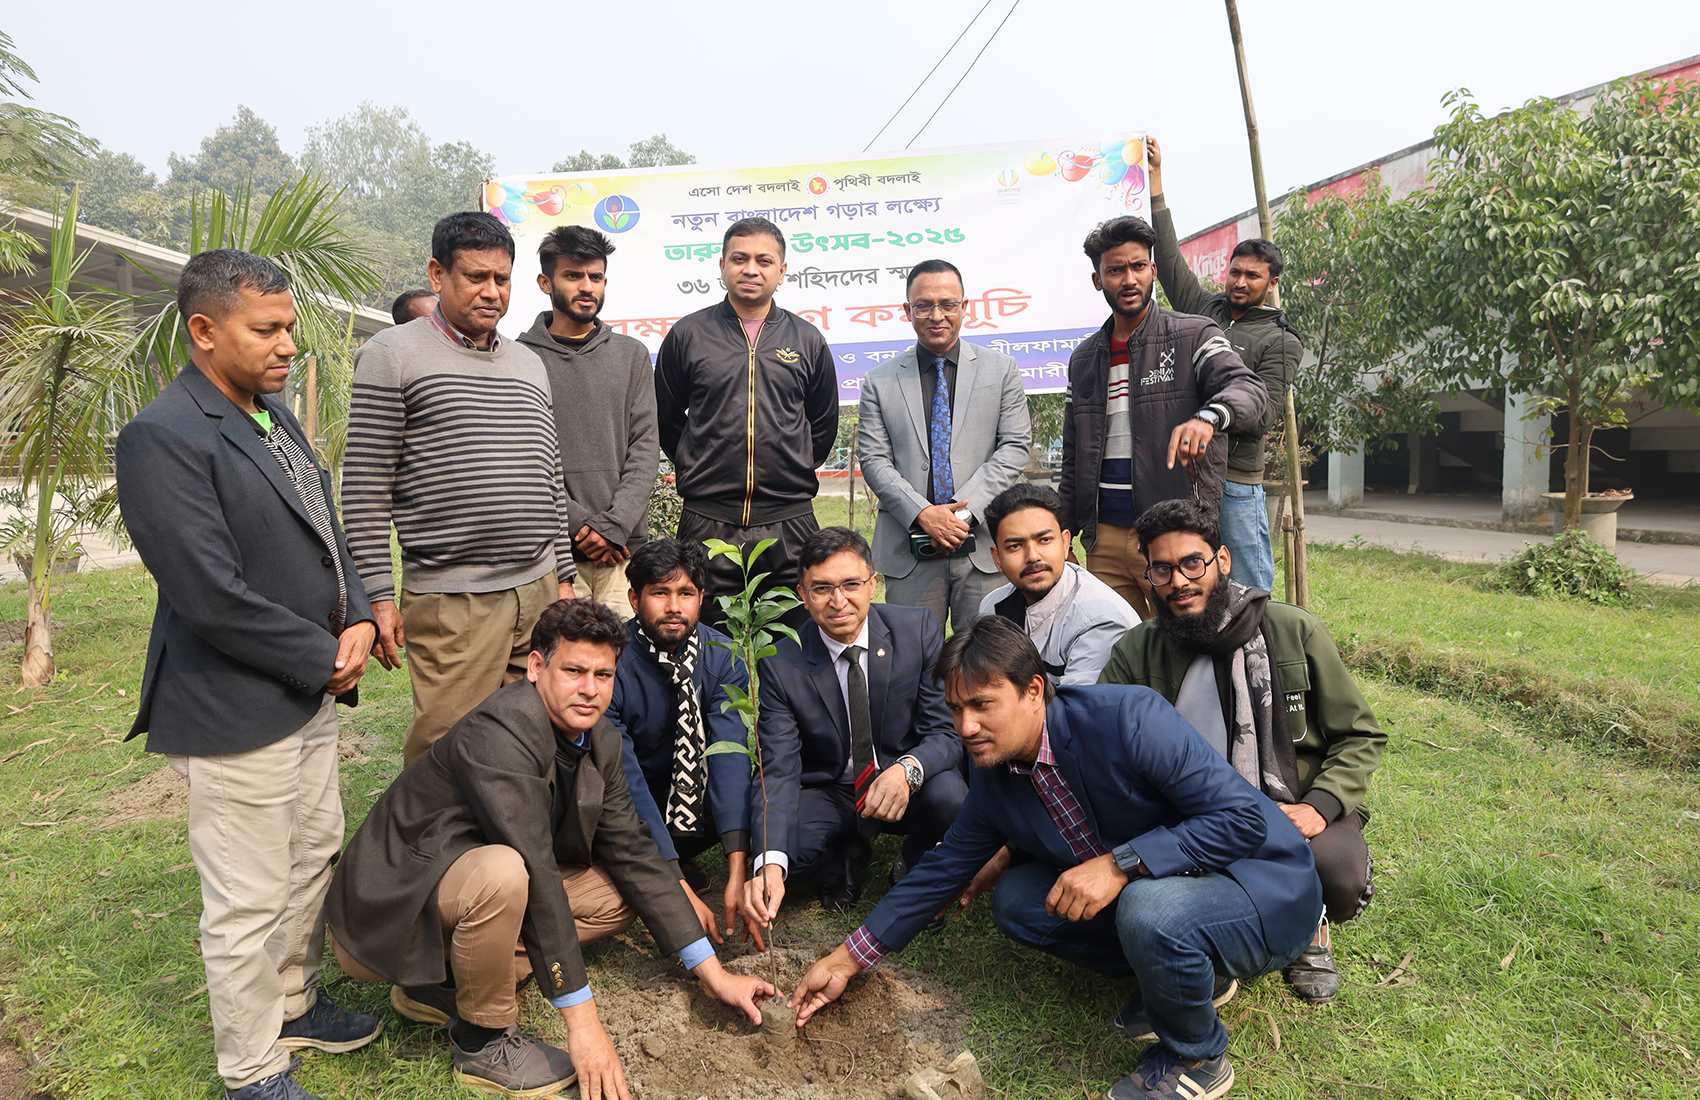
column 1486, row 444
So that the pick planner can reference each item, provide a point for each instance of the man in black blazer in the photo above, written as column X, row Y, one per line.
column 518, row 826
column 262, row 627
column 855, row 735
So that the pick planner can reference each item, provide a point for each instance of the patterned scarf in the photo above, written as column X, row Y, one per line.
column 1259, row 746
column 690, row 742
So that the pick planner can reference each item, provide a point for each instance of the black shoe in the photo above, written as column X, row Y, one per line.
column 279, row 1086
column 1165, row 1075
column 1132, row 1021
column 836, row 897
column 1313, row 975
column 899, row 869
column 695, row 877
column 330, row 1028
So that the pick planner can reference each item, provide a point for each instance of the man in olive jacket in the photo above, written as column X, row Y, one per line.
column 1268, row 343
column 517, row 826
column 1265, row 685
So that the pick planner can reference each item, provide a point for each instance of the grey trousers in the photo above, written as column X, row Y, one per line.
column 949, row 586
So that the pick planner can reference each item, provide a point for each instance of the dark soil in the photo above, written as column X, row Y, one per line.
column 14, row 1069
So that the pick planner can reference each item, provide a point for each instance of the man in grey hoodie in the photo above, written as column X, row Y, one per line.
column 604, row 412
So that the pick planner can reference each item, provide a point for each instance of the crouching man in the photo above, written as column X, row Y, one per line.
column 517, row 827
column 1139, row 851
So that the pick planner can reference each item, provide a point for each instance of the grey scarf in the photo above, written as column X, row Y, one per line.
column 1259, row 746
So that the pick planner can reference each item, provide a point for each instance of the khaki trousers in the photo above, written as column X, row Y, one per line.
column 461, row 646
column 1115, row 559
column 481, row 902
column 606, row 584
column 264, row 826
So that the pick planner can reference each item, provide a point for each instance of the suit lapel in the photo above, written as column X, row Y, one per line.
column 240, row 433
column 909, row 385
column 879, row 669
column 825, row 678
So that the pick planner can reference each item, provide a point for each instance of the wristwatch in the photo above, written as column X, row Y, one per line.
column 1209, row 416
column 911, row 773
column 1128, row 860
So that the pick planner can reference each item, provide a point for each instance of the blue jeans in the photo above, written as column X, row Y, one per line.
column 1245, row 532
column 1173, row 934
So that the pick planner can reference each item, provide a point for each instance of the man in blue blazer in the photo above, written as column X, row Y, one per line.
column 689, row 799
column 262, row 626
column 1141, row 852
column 855, row 735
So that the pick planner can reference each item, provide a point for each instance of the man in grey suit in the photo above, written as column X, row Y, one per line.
column 943, row 430
column 262, row 627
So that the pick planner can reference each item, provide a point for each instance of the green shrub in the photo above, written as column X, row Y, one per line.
column 1570, row 565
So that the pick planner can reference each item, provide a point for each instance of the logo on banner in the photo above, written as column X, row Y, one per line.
column 1008, row 178
column 817, row 185
column 616, row 213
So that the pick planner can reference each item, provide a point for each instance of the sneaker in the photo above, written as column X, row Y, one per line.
column 1164, row 1075
column 1132, row 1021
column 1313, row 975
column 417, row 1011
column 330, row 1028
column 279, row 1086
column 514, row 1065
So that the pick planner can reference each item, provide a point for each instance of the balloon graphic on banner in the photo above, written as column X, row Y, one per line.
column 1133, row 153
column 1112, row 171
column 581, row 193
column 548, row 202
column 1039, row 164
column 1077, row 166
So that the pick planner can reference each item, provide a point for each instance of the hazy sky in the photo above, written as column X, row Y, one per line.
column 1337, row 82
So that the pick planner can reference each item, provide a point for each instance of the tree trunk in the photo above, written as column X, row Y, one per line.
column 1588, row 430
column 852, row 472
column 37, row 670
column 1575, row 462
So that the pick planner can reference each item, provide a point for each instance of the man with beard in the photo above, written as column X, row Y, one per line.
column 669, row 693
column 1267, row 342
column 1265, row 685
column 604, row 412
column 1073, row 617
column 1150, row 396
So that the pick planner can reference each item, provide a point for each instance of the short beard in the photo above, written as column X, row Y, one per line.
column 653, row 633
column 1194, row 633
column 565, row 309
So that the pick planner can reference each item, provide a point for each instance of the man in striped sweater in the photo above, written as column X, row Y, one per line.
column 451, row 436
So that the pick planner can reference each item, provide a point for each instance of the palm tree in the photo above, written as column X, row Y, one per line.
column 62, row 356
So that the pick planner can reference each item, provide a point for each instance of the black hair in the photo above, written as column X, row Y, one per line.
column 829, row 541
column 573, row 242
column 1118, row 231
column 933, row 267
column 753, row 227
column 992, row 646
column 1261, row 248
column 1167, row 517
column 212, row 282
column 468, row 231
column 1023, row 494
column 401, row 310
column 654, row 562
column 582, row 620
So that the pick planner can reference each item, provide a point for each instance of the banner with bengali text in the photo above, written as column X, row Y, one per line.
column 1011, row 217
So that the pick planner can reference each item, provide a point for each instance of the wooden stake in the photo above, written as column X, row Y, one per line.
column 310, row 398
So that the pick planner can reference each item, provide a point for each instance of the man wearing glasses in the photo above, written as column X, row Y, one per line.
column 943, row 429
column 856, row 738
column 1265, row 685
column 1151, row 396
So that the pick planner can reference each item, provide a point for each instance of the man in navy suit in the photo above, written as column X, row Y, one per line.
column 1142, row 852
column 855, row 735
column 689, row 799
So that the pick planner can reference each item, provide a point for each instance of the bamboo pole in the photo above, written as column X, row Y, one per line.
column 310, row 399
column 1297, row 570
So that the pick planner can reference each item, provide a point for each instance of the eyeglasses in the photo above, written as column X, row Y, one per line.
column 927, row 309
column 1192, row 567
column 851, row 588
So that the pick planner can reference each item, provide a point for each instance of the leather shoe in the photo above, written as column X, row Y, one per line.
column 1313, row 975
column 836, row 897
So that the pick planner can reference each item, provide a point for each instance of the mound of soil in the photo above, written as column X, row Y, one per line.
column 678, row 1043
column 161, row 793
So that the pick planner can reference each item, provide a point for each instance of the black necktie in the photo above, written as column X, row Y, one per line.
column 862, row 764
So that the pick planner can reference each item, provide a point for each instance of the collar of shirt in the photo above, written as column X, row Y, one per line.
column 837, row 648
column 926, row 358
column 458, row 338
column 1039, row 615
column 1046, row 756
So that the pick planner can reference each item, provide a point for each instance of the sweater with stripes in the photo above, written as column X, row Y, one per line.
column 457, row 448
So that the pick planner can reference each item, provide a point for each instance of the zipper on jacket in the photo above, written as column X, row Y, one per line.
column 750, row 421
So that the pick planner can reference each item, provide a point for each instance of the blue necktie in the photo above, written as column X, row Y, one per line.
column 944, row 487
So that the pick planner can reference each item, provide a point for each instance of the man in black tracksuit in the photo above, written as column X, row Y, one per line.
column 747, row 401
column 1151, row 398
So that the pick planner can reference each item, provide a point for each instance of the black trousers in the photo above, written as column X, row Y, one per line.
column 778, row 561
column 1344, row 865
column 826, row 825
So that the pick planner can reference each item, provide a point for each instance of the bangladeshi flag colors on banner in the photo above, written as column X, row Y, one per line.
column 1011, row 217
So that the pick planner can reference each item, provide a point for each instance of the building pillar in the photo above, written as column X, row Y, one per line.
column 1345, row 479
column 1527, row 461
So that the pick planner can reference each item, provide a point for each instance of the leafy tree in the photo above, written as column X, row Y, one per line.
column 63, row 364
column 1343, row 289
column 586, row 161
column 651, row 152
column 243, row 154
column 37, row 151
column 120, row 193
column 1556, row 253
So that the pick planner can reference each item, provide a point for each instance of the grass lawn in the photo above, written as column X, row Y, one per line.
column 1541, row 881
